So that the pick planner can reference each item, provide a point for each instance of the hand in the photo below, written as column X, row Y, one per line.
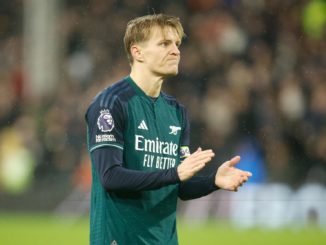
column 230, row 178
column 193, row 163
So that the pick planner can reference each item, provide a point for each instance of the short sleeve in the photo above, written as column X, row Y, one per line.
column 105, row 125
column 185, row 136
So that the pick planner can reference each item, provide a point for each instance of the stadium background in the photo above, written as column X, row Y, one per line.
column 252, row 75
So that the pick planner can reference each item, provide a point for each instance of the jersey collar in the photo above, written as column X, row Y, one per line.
column 139, row 91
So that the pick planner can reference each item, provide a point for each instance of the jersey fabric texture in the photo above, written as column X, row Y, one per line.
column 152, row 135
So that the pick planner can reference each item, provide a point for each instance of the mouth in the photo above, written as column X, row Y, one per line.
column 174, row 60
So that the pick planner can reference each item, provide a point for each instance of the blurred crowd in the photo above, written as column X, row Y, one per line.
column 252, row 75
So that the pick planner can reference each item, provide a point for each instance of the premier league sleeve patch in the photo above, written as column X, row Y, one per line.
column 184, row 152
column 105, row 121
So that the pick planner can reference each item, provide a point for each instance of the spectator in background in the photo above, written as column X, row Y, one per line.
column 17, row 156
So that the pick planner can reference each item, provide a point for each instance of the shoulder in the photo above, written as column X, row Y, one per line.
column 112, row 97
column 120, row 90
column 171, row 100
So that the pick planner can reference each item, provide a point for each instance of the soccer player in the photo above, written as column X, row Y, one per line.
column 138, row 139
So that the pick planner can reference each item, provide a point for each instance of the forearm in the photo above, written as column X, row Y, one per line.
column 122, row 179
column 108, row 164
column 197, row 187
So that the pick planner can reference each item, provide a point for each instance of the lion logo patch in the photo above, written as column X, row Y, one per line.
column 105, row 121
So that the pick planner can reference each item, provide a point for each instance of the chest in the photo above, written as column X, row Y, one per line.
column 154, row 120
column 152, row 135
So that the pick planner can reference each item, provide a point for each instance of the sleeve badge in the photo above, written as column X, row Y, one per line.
column 105, row 121
column 184, row 151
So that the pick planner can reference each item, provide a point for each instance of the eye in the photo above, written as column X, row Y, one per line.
column 164, row 43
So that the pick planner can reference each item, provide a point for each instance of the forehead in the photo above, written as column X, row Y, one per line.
column 158, row 33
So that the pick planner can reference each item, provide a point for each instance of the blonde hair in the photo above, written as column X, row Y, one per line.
column 139, row 29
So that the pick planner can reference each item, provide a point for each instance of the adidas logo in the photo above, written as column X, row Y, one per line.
column 143, row 125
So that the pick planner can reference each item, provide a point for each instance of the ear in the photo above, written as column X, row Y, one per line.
column 136, row 53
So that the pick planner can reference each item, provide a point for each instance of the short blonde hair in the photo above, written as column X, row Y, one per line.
column 139, row 29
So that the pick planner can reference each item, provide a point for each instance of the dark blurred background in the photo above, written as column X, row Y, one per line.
column 252, row 75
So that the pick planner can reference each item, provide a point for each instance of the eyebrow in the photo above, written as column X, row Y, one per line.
column 178, row 42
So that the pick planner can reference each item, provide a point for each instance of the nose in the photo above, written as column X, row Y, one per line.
column 175, row 50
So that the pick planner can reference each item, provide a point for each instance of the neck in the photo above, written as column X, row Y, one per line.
column 150, row 84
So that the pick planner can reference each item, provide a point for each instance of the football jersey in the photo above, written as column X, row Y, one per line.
column 152, row 134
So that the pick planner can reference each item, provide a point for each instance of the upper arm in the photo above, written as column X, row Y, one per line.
column 105, row 124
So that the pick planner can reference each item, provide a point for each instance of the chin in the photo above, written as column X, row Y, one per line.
column 173, row 72
column 168, row 73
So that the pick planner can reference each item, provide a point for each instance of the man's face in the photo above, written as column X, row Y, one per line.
column 161, row 53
